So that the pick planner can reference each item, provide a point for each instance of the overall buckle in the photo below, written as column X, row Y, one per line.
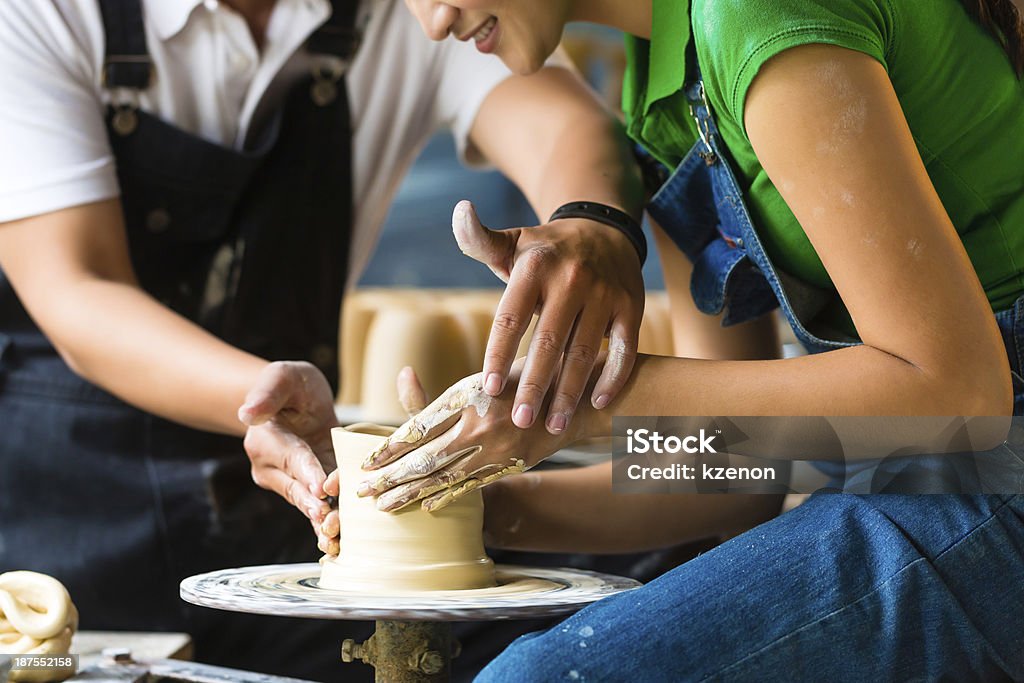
column 703, row 127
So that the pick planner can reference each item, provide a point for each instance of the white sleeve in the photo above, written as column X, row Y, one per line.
column 54, row 151
column 466, row 78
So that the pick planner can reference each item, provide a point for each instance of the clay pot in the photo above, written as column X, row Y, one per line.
column 409, row 550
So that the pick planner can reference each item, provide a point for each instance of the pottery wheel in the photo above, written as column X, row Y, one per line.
column 291, row 590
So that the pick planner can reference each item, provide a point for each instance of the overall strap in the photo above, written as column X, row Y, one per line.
column 338, row 39
column 701, row 112
column 339, row 36
column 126, row 63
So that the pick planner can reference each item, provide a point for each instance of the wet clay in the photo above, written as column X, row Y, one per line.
column 37, row 617
column 398, row 552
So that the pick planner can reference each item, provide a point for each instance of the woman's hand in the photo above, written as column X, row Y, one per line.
column 463, row 440
column 289, row 414
column 583, row 279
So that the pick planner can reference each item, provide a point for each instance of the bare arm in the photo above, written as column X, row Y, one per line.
column 529, row 512
column 72, row 272
column 931, row 346
column 551, row 136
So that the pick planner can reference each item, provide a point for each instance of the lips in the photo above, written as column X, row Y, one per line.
column 488, row 37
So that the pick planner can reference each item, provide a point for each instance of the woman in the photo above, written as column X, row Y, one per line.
column 858, row 164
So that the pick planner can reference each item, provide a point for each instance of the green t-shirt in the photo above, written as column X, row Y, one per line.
column 957, row 88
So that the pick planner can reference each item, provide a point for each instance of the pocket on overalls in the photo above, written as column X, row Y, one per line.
column 725, row 279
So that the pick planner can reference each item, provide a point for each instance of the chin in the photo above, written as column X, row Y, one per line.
column 524, row 64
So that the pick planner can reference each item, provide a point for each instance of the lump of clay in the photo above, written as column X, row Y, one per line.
column 37, row 617
column 406, row 551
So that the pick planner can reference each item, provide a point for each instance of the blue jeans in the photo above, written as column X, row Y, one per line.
column 843, row 588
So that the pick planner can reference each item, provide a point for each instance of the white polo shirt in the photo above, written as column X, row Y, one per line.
column 211, row 80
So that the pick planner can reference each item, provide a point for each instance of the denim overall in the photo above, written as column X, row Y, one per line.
column 845, row 587
column 252, row 245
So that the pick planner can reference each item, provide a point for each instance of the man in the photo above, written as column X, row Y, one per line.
column 182, row 184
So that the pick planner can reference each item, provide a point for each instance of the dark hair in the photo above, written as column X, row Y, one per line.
column 1003, row 20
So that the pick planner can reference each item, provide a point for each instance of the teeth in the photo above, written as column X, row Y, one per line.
column 486, row 30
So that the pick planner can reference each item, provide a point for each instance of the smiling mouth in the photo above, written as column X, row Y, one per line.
column 481, row 32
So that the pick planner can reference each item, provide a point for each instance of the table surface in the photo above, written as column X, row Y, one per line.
column 89, row 645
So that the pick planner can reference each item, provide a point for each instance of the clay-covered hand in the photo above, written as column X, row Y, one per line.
column 583, row 279
column 461, row 441
column 289, row 414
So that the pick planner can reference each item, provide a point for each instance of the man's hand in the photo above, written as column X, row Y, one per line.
column 289, row 414
column 462, row 441
column 583, row 278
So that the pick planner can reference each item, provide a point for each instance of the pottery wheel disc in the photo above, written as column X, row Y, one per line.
column 291, row 590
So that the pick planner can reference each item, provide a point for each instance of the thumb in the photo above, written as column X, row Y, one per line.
column 267, row 397
column 493, row 248
column 410, row 392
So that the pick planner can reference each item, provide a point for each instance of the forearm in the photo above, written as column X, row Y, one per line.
column 856, row 381
column 529, row 512
column 553, row 138
column 117, row 337
column 72, row 271
column 587, row 158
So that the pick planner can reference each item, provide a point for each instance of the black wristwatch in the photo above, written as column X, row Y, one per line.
column 610, row 216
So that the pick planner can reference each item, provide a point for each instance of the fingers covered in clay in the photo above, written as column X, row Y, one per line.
column 493, row 248
column 425, row 460
column 441, row 488
column 327, row 533
column 398, row 497
column 482, row 477
column 432, row 422
column 332, row 486
column 415, row 464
